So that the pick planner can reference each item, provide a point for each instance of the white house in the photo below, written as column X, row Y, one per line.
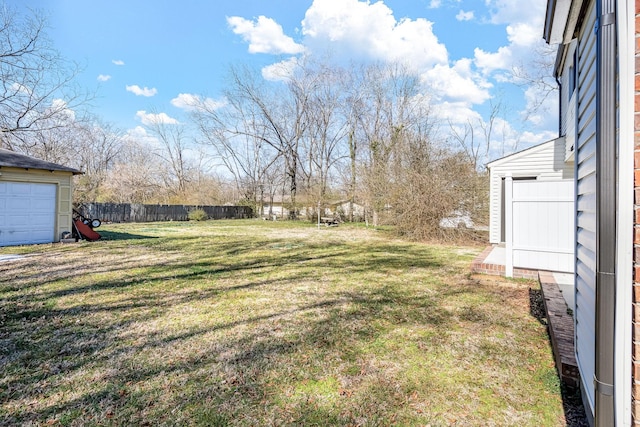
column 531, row 204
column 597, row 64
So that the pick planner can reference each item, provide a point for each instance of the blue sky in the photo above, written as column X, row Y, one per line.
column 149, row 56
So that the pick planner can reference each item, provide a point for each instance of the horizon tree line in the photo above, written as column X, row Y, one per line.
column 362, row 133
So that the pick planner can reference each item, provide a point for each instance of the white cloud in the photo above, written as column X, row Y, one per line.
column 523, row 31
column 366, row 30
column 137, row 90
column 457, row 112
column 264, row 35
column 491, row 61
column 104, row 78
column 363, row 30
column 465, row 16
column 149, row 119
column 523, row 34
column 435, row 4
column 118, row 61
column 280, row 70
column 510, row 11
column 60, row 106
column 529, row 139
column 504, row 139
column 541, row 109
column 140, row 134
column 458, row 83
column 190, row 102
column 20, row 88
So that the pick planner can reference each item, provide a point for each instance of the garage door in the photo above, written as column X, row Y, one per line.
column 27, row 213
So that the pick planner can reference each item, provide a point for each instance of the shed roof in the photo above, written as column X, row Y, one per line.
column 522, row 153
column 12, row 159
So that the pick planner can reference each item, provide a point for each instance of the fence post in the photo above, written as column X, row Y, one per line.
column 508, row 213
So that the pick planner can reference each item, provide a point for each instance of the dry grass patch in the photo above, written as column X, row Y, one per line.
column 262, row 323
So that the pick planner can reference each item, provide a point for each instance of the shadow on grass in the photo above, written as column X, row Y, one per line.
column 44, row 347
column 127, row 358
column 223, row 259
column 118, row 235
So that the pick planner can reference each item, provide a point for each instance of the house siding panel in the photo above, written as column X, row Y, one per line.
column 586, row 201
column 586, row 190
column 586, row 207
column 587, row 124
column 587, row 165
column 586, row 238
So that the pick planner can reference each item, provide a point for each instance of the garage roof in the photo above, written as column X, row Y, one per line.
column 15, row 160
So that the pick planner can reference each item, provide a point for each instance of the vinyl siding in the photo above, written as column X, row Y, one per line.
column 586, row 205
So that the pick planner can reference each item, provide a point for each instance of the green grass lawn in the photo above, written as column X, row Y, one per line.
column 258, row 323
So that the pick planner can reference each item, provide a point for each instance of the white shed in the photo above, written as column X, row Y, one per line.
column 531, row 204
column 35, row 199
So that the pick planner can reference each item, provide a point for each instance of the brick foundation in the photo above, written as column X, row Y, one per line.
column 479, row 266
column 561, row 330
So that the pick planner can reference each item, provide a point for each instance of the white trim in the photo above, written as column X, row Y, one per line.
column 625, row 214
column 508, row 202
column 572, row 20
column 559, row 20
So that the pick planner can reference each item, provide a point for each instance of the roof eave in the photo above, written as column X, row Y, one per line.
column 561, row 20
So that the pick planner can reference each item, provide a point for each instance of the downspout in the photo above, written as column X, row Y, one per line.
column 605, row 213
column 559, row 83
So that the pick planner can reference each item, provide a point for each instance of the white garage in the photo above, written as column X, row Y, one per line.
column 35, row 200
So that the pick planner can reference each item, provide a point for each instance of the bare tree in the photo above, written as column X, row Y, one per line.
column 96, row 148
column 389, row 95
column 327, row 130
column 135, row 177
column 538, row 74
column 239, row 137
column 465, row 138
column 35, row 81
column 260, row 124
column 173, row 152
column 476, row 137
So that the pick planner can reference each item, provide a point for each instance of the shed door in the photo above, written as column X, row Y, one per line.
column 543, row 225
column 27, row 213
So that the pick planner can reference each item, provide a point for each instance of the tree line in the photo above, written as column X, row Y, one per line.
column 365, row 135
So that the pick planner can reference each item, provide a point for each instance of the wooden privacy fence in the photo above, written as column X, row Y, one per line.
column 133, row 212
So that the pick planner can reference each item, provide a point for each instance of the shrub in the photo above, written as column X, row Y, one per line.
column 198, row 215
